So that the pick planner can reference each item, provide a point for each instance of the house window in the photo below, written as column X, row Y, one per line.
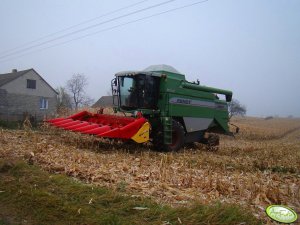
column 43, row 103
column 31, row 84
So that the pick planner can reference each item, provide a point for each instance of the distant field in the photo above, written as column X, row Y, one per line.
column 259, row 167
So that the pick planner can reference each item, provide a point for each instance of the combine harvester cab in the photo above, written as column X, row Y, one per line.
column 166, row 109
column 108, row 126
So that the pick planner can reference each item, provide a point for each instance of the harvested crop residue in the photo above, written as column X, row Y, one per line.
column 255, row 169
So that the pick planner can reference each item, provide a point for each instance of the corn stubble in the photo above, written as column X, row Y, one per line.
column 259, row 167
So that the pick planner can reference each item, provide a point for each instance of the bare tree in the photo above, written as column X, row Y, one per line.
column 76, row 86
column 235, row 108
column 63, row 100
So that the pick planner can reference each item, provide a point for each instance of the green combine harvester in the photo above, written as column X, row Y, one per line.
column 165, row 109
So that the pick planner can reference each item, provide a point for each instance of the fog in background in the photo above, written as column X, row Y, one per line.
column 251, row 47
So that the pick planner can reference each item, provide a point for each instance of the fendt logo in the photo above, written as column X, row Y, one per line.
column 192, row 102
column 183, row 101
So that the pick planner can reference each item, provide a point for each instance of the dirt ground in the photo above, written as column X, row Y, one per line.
column 259, row 167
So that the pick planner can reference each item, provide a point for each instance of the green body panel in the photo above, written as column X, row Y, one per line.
column 175, row 86
column 187, row 102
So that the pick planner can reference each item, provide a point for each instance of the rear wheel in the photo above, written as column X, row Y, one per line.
column 213, row 142
column 177, row 138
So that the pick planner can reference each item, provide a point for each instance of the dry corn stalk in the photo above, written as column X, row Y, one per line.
column 254, row 169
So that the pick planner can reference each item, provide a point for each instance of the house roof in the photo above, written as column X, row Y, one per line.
column 8, row 77
column 104, row 101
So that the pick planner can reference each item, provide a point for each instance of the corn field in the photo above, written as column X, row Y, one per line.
column 258, row 167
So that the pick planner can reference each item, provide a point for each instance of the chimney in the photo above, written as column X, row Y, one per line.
column 14, row 70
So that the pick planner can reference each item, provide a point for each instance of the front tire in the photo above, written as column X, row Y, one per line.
column 178, row 136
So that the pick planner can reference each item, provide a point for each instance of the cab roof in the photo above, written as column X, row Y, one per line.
column 161, row 67
column 154, row 70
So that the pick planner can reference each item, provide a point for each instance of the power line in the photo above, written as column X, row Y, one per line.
column 86, row 28
column 111, row 28
column 73, row 26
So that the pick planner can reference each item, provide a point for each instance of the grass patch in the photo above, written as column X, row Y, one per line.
column 275, row 169
column 32, row 196
column 10, row 125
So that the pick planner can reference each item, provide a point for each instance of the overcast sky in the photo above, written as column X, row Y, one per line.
column 251, row 47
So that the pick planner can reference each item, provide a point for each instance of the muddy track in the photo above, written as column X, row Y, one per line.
column 289, row 132
column 270, row 138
